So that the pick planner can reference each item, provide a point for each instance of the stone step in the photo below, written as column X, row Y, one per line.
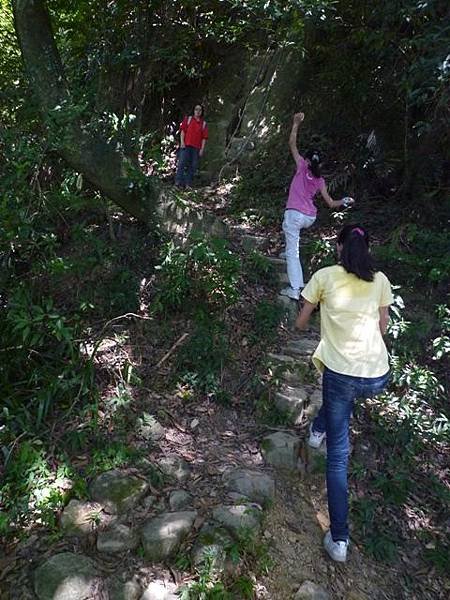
column 295, row 391
column 279, row 264
column 254, row 242
column 312, row 409
column 252, row 484
column 301, row 347
column 291, row 309
column 293, row 404
column 281, row 450
column 293, row 377
column 280, row 359
column 302, row 373
column 315, row 397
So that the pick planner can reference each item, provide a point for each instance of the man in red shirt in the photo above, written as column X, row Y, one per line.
column 193, row 136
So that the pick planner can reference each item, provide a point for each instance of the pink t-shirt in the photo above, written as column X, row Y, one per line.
column 304, row 187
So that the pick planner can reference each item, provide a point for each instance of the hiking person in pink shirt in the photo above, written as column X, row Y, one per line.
column 300, row 210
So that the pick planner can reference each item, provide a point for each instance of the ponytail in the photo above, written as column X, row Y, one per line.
column 314, row 162
column 355, row 257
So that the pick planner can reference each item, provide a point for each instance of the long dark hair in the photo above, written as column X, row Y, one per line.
column 355, row 257
column 198, row 104
column 314, row 162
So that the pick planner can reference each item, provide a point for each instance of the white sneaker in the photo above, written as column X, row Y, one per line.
column 336, row 550
column 290, row 293
column 315, row 438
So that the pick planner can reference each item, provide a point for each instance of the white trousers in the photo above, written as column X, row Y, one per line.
column 293, row 222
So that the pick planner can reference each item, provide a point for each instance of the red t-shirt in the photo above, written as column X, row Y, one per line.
column 194, row 131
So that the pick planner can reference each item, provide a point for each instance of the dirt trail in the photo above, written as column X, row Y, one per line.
column 221, row 439
column 294, row 529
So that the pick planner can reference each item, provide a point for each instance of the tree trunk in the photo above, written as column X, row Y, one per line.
column 100, row 162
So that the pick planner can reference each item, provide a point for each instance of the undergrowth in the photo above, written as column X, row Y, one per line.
column 406, row 497
column 245, row 552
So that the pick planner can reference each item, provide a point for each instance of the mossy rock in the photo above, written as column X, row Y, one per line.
column 118, row 491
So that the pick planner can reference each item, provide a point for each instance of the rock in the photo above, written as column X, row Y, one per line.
column 149, row 428
column 118, row 590
column 317, row 458
column 291, row 307
column 280, row 359
column 174, row 467
column 179, row 499
column 283, row 278
column 253, row 242
column 289, row 303
column 292, row 402
column 293, row 375
column 301, row 347
column 315, row 402
column 162, row 535
column 146, row 466
column 212, row 545
column 316, row 397
column 81, row 518
column 182, row 217
column 118, row 538
column 117, row 491
column 66, row 576
column 281, row 450
column 238, row 498
column 311, row 591
column 148, row 502
column 278, row 263
column 239, row 517
column 160, row 590
column 258, row 487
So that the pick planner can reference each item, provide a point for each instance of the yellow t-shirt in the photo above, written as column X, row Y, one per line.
column 351, row 341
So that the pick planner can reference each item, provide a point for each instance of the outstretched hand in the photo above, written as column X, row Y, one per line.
column 298, row 118
column 347, row 201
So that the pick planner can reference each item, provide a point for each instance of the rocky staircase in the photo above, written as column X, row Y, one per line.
column 123, row 516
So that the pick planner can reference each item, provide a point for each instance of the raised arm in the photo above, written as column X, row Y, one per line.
column 298, row 118
column 335, row 203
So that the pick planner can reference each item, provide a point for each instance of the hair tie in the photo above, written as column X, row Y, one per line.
column 358, row 230
column 315, row 156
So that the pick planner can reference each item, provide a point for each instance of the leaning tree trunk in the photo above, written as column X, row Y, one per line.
column 98, row 161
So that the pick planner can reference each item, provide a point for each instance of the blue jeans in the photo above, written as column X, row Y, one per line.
column 339, row 393
column 187, row 165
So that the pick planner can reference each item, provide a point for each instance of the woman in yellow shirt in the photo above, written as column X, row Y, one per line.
column 354, row 302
